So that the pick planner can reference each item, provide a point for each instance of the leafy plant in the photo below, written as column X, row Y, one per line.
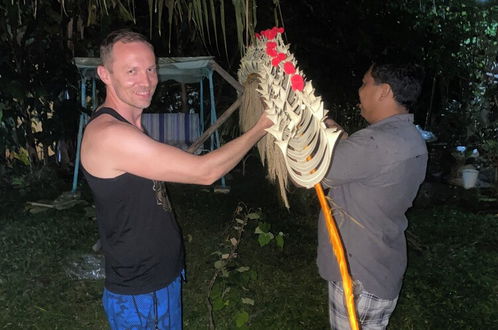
column 232, row 289
column 265, row 236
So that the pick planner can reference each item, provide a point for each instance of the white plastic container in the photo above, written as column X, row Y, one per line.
column 469, row 178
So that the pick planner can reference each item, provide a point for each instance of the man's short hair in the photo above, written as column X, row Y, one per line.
column 124, row 36
column 405, row 81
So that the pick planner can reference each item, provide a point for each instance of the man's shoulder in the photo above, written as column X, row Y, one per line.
column 391, row 142
column 395, row 131
column 367, row 136
column 107, row 124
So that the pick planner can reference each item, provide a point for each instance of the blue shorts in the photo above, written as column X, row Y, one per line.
column 161, row 309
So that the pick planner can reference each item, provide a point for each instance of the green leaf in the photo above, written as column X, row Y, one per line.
column 264, row 226
column 219, row 303
column 279, row 240
column 253, row 216
column 241, row 318
column 242, row 269
column 248, row 301
column 265, row 238
column 219, row 264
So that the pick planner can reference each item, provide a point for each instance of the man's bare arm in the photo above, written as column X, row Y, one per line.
column 111, row 148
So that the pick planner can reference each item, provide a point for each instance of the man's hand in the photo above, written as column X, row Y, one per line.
column 330, row 123
column 264, row 122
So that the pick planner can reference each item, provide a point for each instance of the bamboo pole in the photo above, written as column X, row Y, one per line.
column 338, row 248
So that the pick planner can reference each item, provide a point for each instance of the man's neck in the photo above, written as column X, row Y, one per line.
column 389, row 111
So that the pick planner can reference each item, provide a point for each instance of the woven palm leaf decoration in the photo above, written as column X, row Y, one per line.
column 298, row 138
column 299, row 145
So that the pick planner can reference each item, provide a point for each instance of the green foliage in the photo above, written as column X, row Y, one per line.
column 241, row 318
column 22, row 156
column 467, row 50
column 36, row 68
column 265, row 236
column 450, row 281
column 490, row 148
column 230, row 282
column 35, row 291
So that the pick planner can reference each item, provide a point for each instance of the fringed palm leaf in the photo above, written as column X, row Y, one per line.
column 299, row 145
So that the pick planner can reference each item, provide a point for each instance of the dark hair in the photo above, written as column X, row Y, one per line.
column 123, row 35
column 405, row 81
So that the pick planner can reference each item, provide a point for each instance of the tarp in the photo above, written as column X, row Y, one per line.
column 182, row 69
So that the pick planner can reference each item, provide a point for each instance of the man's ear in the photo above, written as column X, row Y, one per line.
column 103, row 74
column 385, row 91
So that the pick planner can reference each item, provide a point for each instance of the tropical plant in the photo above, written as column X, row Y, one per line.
column 35, row 71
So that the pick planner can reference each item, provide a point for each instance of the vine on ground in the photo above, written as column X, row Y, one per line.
column 220, row 293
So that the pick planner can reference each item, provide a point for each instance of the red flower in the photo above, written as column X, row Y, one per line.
column 289, row 68
column 271, row 52
column 297, row 82
column 271, row 45
column 257, row 35
column 271, row 34
column 277, row 59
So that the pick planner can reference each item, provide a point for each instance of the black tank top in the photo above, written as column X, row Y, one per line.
column 141, row 241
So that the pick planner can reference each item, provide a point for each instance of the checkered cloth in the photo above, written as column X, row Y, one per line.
column 373, row 312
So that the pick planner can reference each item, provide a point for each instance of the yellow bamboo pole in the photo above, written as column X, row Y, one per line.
column 337, row 247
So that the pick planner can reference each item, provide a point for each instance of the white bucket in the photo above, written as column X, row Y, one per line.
column 469, row 178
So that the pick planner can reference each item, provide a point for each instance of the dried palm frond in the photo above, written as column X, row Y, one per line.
column 269, row 73
column 250, row 111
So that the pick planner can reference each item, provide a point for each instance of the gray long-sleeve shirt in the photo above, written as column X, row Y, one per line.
column 374, row 177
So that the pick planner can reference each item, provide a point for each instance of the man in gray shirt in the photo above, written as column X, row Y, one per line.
column 374, row 177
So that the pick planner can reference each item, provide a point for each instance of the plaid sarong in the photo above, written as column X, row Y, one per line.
column 373, row 312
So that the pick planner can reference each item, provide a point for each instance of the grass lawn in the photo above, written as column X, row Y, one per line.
column 451, row 281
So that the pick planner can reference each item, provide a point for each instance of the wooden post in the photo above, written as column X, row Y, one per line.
column 231, row 80
column 184, row 98
column 228, row 112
